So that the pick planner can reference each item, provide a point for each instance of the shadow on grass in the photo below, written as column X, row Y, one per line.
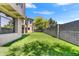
column 23, row 36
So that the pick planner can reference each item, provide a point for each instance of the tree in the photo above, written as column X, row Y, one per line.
column 45, row 24
column 52, row 23
column 41, row 24
column 38, row 22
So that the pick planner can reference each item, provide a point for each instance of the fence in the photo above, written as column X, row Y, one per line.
column 70, row 36
column 66, row 32
column 51, row 32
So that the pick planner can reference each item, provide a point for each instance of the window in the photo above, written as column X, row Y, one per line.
column 7, row 24
column 29, row 22
column 20, row 4
column 28, row 28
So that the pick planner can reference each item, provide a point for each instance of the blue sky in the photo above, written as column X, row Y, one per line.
column 60, row 12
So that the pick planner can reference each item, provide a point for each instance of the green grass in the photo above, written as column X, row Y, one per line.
column 39, row 44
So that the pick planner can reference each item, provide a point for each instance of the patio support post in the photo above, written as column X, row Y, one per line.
column 24, row 26
column 0, row 23
column 16, row 25
column 57, row 30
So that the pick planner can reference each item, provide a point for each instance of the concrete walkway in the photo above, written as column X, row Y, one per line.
column 3, row 51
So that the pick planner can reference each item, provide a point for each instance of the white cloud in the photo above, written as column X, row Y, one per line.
column 62, row 4
column 30, row 5
column 76, row 19
column 46, row 12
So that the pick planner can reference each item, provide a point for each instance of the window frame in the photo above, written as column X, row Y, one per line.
column 13, row 23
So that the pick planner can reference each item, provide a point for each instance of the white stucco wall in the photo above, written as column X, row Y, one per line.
column 5, row 38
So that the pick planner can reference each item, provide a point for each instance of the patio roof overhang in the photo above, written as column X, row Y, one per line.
column 9, row 10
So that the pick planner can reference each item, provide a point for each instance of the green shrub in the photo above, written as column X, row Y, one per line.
column 37, row 48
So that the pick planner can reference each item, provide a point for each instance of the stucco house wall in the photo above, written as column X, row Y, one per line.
column 29, row 25
column 5, row 38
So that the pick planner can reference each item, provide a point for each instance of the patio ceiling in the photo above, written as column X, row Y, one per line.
column 6, row 8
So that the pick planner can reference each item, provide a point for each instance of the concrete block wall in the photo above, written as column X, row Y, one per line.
column 68, row 32
column 70, row 36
